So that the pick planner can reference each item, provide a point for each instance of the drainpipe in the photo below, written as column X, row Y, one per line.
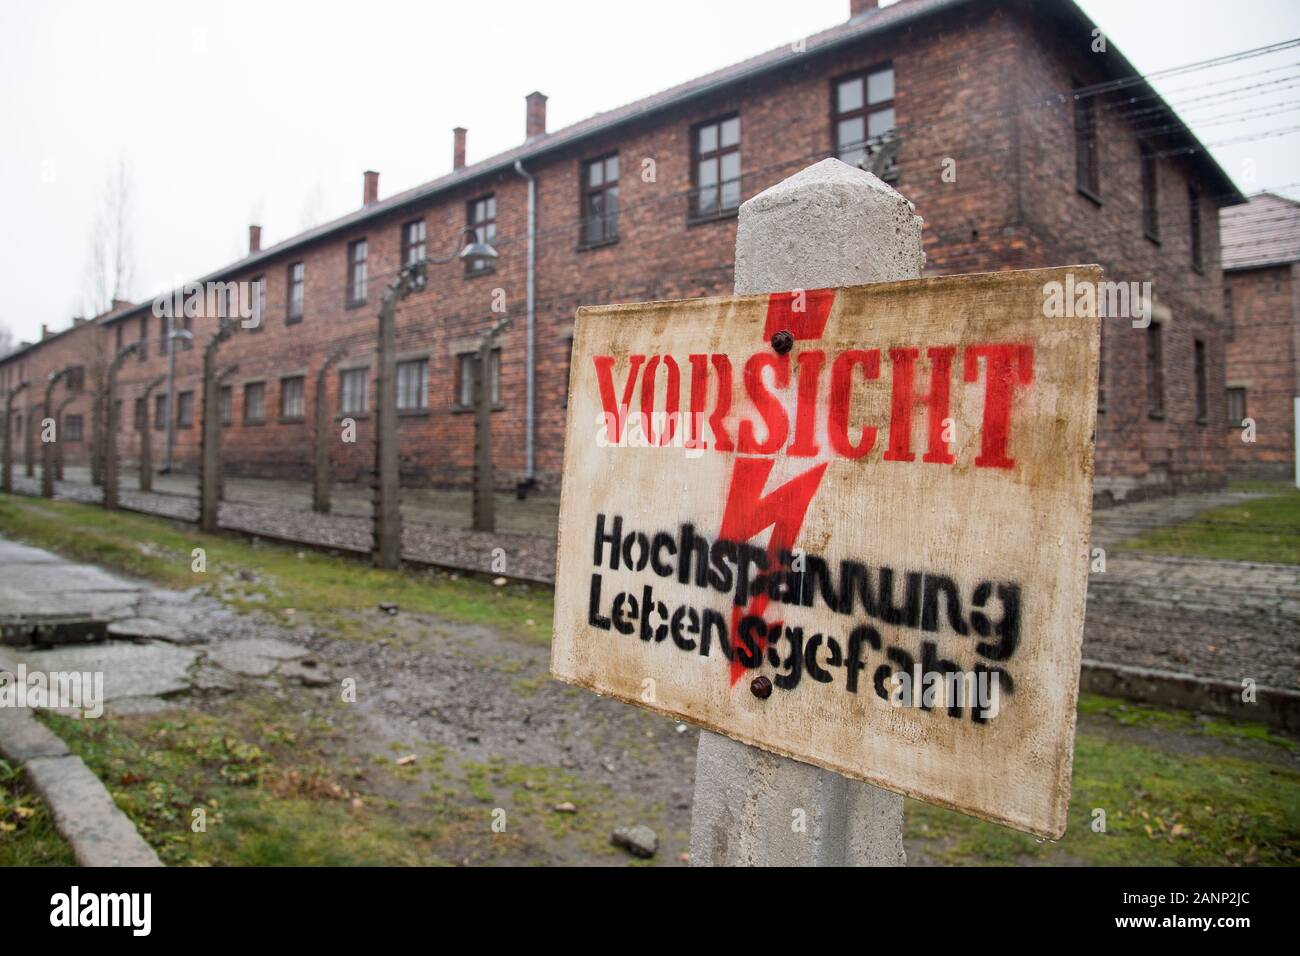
column 530, row 475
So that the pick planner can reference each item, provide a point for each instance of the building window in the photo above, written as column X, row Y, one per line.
column 600, row 201
column 1236, row 407
column 1087, row 174
column 1101, row 371
column 412, row 385
column 465, row 371
column 297, row 273
column 414, row 246
column 292, row 398
column 143, row 338
column 1202, row 399
column 254, row 402
column 715, row 167
column 226, row 404
column 76, row 378
column 185, row 410
column 354, row 390
column 863, row 108
column 1229, row 322
column 1155, row 372
column 568, row 371
column 72, row 427
column 1194, row 217
column 141, row 414
column 482, row 218
column 1150, row 193
column 159, row 412
column 119, row 338
column 357, row 252
column 259, row 303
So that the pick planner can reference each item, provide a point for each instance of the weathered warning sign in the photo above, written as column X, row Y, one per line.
column 849, row 526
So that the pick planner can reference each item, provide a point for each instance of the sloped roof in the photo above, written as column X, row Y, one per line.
column 1263, row 232
column 865, row 24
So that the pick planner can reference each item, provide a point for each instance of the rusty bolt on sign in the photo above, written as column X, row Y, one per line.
column 782, row 342
column 761, row 687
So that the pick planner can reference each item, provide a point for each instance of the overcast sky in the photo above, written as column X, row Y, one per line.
column 234, row 112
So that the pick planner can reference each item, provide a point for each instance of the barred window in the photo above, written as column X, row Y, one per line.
column 466, row 364
column 413, row 385
column 1155, row 372
column 255, row 402
column 357, row 271
column 72, row 427
column 715, row 167
column 160, row 412
column 292, row 402
column 185, row 409
column 414, row 246
column 864, row 112
column 354, row 390
column 297, row 274
column 482, row 218
column 1087, row 166
column 1236, row 407
column 226, row 404
column 259, row 303
column 600, row 200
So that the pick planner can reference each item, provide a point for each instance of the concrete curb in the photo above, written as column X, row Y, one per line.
column 84, row 813
column 1272, row 706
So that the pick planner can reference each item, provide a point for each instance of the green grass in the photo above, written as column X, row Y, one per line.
column 267, row 793
column 27, row 834
column 1165, row 803
column 330, row 591
column 1267, row 530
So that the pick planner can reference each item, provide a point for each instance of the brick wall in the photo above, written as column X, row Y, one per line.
column 976, row 92
column 1262, row 360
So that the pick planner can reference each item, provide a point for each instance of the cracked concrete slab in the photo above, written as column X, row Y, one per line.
column 254, row 656
column 130, row 670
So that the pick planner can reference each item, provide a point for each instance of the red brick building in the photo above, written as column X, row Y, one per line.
column 1261, row 289
column 1020, row 145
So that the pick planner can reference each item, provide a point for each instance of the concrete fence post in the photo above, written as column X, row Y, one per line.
column 829, row 225
column 7, row 466
column 386, row 510
column 323, row 473
column 210, row 430
column 114, row 422
column 99, row 423
column 484, row 498
column 29, row 450
column 58, row 446
column 48, row 462
column 146, row 441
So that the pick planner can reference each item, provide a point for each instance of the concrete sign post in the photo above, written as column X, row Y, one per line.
column 840, row 521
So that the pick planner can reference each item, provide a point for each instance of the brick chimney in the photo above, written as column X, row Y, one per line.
column 458, row 150
column 45, row 331
column 536, row 116
column 859, row 7
column 370, row 194
column 255, row 239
